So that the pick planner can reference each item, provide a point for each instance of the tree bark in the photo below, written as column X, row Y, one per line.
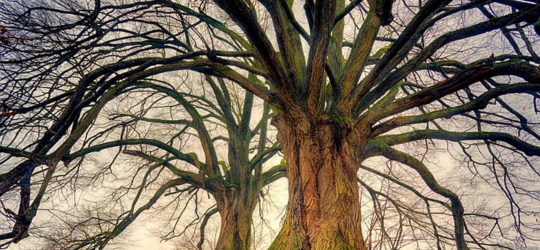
column 324, row 209
column 236, row 211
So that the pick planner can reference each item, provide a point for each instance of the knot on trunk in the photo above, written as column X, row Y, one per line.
column 339, row 127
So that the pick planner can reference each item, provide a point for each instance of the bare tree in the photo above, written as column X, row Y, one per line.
column 160, row 125
column 147, row 117
column 351, row 81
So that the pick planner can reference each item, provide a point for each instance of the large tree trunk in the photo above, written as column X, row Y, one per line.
column 236, row 211
column 324, row 210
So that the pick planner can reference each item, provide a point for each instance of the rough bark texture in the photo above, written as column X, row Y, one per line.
column 236, row 201
column 324, row 209
column 236, row 212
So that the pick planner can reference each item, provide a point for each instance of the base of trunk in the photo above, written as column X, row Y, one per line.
column 236, row 219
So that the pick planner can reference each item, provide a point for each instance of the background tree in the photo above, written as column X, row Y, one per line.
column 351, row 81
column 139, row 114
column 159, row 125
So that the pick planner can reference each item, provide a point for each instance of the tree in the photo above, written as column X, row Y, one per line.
column 158, row 124
column 351, row 81
column 85, row 110
column 131, row 126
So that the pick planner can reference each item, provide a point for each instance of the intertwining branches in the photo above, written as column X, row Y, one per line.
column 79, row 94
column 347, row 81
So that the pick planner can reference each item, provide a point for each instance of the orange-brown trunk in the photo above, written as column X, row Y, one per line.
column 324, row 209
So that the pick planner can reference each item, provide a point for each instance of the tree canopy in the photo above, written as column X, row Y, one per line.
column 359, row 91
